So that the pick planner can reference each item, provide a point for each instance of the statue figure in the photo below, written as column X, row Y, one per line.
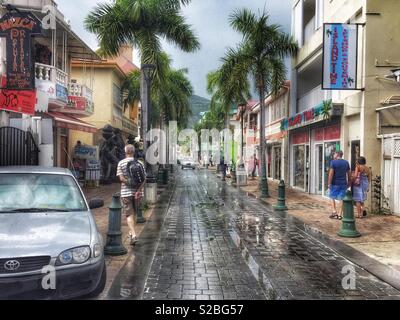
column 109, row 155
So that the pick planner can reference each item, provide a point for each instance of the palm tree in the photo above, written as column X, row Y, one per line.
column 142, row 23
column 260, row 55
column 226, row 92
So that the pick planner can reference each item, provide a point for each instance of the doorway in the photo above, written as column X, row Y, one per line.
column 63, row 153
column 319, row 168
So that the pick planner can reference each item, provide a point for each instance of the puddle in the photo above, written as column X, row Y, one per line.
column 254, row 267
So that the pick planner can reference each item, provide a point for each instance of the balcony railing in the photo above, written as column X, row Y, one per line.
column 313, row 98
column 50, row 73
column 80, row 90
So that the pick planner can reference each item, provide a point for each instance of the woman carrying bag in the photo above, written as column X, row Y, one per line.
column 361, row 182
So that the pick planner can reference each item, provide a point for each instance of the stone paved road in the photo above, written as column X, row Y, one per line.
column 219, row 244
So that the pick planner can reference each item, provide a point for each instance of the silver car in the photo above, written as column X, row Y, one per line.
column 50, row 247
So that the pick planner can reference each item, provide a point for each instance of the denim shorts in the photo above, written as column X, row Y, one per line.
column 337, row 192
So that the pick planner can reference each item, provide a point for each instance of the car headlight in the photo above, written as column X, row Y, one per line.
column 74, row 256
column 97, row 249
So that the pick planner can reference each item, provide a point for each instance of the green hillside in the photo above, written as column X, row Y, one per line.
column 198, row 105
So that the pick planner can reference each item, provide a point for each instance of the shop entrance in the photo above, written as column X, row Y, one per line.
column 319, row 170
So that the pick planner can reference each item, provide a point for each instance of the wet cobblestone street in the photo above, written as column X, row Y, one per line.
column 217, row 243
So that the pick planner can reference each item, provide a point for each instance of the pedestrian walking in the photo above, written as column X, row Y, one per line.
column 339, row 180
column 132, row 177
column 361, row 182
column 253, row 174
column 223, row 168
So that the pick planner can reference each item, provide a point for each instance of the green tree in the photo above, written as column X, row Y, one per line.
column 259, row 56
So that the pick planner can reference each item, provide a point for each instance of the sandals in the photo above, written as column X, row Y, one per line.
column 133, row 239
column 335, row 216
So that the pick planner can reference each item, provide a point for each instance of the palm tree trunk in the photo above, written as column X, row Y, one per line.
column 263, row 180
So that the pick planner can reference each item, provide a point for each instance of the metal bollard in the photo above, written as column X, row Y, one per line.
column 281, row 205
column 348, row 222
column 138, row 210
column 114, row 245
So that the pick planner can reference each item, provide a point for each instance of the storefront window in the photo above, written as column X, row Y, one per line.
column 330, row 149
column 299, row 166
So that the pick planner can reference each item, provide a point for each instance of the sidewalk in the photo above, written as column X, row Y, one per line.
column 113, row 263
column 380, row 238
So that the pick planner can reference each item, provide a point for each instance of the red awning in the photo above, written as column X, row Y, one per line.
column 64, row 121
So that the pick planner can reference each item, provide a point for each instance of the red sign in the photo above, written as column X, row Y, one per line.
column 21, row 101
column 332, row 133
column 300, row 137
column 78, row 102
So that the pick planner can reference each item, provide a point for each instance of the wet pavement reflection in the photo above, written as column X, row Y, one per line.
column 217, row 243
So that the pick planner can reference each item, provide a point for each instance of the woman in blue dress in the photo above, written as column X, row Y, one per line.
column 361, row 182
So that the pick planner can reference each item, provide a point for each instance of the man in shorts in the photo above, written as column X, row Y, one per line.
column 338, row 182
column 128, row 194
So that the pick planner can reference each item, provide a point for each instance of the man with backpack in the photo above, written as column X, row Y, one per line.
column 132, row 176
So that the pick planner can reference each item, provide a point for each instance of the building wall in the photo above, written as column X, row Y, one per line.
column 102, row 94
column 382, row 41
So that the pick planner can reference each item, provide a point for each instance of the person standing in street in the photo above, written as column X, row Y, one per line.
column 339, row 181
column 223, row 168
column 362, row 179
column 129, row 189
column 253, row 174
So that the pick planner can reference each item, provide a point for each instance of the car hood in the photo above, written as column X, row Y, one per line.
column 36, row 234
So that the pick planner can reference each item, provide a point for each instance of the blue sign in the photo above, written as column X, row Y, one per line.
column 61, row 93
column 340, row 56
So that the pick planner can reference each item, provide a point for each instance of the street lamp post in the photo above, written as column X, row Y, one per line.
column 242, row 109
column 263, row 178
column 147, row 77
column 147, row 73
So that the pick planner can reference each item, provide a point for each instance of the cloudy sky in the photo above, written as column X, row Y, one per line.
column 210, row 22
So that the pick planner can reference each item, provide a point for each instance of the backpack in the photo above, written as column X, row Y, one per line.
column 136, row 174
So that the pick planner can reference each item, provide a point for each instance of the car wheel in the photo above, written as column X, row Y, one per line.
column 102, row 284
column 182, row 168
column 193, row 168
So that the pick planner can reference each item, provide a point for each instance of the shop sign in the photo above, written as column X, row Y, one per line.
column 340, row 56
column 20, row 101
column 61, row 93
column 18, row 29
column 302, row 118
column 78, row 103
column 85, row 152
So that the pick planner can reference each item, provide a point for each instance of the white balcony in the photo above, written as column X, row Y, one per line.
column 50, row 73
column 313, row 98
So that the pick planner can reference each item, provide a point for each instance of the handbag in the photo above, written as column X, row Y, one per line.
column 356, row 181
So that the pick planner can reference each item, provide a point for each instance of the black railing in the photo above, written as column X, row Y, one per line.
column 17, row 148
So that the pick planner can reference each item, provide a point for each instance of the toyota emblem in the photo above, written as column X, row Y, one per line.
column 12, row 265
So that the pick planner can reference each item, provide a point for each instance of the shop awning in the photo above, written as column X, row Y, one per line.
column 64, row 121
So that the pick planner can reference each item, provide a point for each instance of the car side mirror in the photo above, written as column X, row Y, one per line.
column 96, row 203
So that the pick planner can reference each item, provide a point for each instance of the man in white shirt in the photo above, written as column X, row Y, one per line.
column 128, row 194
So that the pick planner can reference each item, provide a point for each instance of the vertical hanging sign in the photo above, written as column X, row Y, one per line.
column 18, row 29
column 340, row 56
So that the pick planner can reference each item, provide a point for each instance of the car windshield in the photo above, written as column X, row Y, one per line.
column 35, row 192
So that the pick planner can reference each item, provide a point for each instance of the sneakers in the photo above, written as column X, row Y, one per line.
column 132, row 239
